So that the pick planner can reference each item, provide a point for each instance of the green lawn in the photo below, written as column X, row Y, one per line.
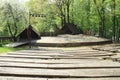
column 7, row 49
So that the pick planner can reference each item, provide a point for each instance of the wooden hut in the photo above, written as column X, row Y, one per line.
column 28, row 34
column 70, row 29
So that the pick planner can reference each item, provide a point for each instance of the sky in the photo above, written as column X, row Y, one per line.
column 23, row 1
column 28, row 0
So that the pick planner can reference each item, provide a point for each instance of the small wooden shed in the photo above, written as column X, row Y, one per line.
column 70, row 29
column 28, row 34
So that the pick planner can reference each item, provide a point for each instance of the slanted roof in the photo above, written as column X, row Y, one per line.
column 70, row 29
column 28, row 33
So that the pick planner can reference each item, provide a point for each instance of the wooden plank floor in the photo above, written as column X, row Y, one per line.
column 114, row 48
column 80, row 64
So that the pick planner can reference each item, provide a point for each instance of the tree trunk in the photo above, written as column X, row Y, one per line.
column 73, row 12
column 114, row 22
column 102, row 18
column 87, row 2
column 64, row 16
column 68, row 11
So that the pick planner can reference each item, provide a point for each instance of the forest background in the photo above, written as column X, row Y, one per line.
column 93, row 17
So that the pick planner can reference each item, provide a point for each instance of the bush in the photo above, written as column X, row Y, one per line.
column 0, row 44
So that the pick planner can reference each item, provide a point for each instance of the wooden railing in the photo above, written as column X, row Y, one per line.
column 2, row 38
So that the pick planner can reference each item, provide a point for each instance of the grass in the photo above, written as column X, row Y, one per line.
column 7, row 49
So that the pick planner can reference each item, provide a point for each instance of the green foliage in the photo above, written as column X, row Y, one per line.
column 43, row 24
column 92, row 16
column 8, row 49
column 5, row 49
column 13, row 18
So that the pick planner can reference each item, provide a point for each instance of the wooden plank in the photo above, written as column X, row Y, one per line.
column 68, row 60
column 51, row 73
column 105, row 65
column 75, row 52
column 96, row 55
column 23, row 56
column 108, row 48
column 42, row 54
column 20, row 78
column 115, row 78
column 61, row 61
column 40, row 51
column 88, row 53
column 89, row 50
column 62, row 55
column 34, row 78
column 17, row 44
column 48, row 57
column 59, row 54
column 57, row 51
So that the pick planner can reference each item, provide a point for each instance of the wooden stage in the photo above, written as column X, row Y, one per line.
column 67, row 40
column 82, row 63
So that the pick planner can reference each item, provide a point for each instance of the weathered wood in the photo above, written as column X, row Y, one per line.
column 20, row 78
column 43, row 54
column 84, row 50
column 17, row 44
column 58, row 64
column 40, row 51
column 61, row 61
column 49, row 73
column 57, row 51
column 28, row 78
column 115, row 78
column 68, row 60
column 62, row 55
column 80, row 52
column 108, row 48
column 67, row 54
column 69, row 43
column 48, row 57
column 101, row 65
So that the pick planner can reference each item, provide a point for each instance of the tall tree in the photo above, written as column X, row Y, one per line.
column 61, row 11
column 114, row 20
column 68, row 2
column 13, row 17
column 94, row 15
column 101, row 13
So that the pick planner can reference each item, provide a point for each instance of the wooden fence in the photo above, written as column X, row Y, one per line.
column 2, row 39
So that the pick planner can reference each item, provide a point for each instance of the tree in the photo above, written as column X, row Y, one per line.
column 114, row 20
column 101, row 13
column 64, row 10
column 97, row 16
column 13, row 17
column 61, row 11
column 51, row 21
